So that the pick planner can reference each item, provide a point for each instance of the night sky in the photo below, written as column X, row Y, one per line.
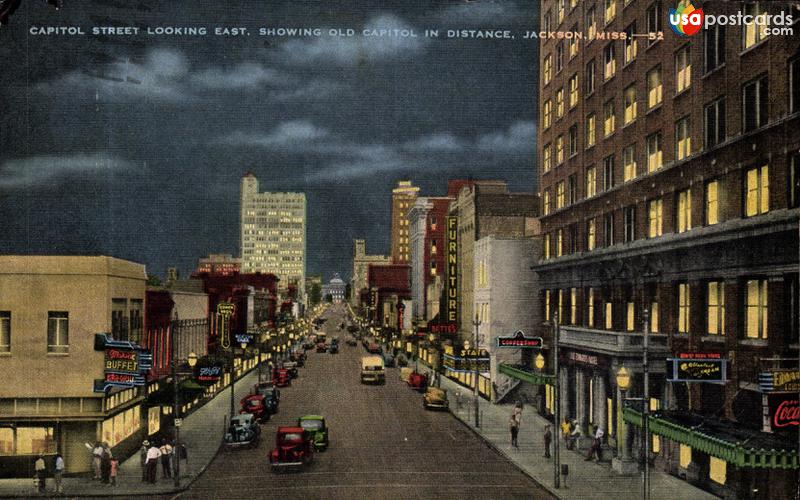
column 133, row 146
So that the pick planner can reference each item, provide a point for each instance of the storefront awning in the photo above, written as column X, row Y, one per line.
column 721, row 439
column 525, row 374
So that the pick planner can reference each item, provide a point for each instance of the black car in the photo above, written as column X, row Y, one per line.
column 334, row 347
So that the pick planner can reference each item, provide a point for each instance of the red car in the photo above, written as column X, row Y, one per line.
column 293, row 448
column 373, row 348
column 255, row 405
column 418, row 381
column 281, row 377
column 322, row 347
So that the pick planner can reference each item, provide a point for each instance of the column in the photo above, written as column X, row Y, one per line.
column 563, row 394
column 580, row 398
column 600, row 407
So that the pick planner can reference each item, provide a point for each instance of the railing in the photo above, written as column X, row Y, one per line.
column 611, row 340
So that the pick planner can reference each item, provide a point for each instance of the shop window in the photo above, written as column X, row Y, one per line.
column 6, row 441
column 35, row 441
column 756, row 309
column 686, row 456
column 683, row 308
column 717, row 470
column 716, row 308
column 757, row 191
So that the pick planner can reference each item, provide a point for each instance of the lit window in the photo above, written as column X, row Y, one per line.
column 610, row 64
column 753, row 31
column 561, row 306
column 573, row 306
column 547, row 157
column 559, row 149
column 573, row 91
column 609, row 319
column 654, row 87
column 683, row 308
column 590, row 316
column 630, row 320
column 683, row 69
column 591, row 23
column 629, row 163
column 717, row 470
column 559, row 103
column 756, row 327
column 547, row 113
column 547, row 69
column 591, row 130
column 608, row 118
column 591, row 182
column 591, row 231
column 654, row 154
column 560, row 195
column 559, row 243
column 757, row 191
column 546, row 202
column 559, row 57
column 655, row 218
column 608, row 172
column 629, row 104
column 712, row 203
column 546, row 246
column 610, row 10
column 630, row 43
column 716, row 308
column 573, row 43
column 654, row 317
column 560, row 10
column 684, row 214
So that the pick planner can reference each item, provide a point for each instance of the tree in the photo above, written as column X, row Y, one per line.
column 315, row 294
column 153, row 280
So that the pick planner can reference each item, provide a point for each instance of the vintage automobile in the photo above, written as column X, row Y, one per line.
column 255, row 405
column 388, row 359
column 351, row 341
column 405, row 373
column 293, row 448
column 418, row 381
column 322, row 347
column 243, row 432
column 291, row 367
column 299, row 357
column 316, row 427
column 372, row 370
column 308, row 344
column 334, row 347
column 272, row 395
column 281, row 377
column 373, row 348
column 435, row 398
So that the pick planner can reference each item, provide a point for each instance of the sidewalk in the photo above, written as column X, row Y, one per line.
column 201, row 432
column 586, row 480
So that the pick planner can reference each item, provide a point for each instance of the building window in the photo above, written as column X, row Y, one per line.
column 714, row 38
column 794, row 85
column 434, row 270
column 591, row 182
column 683, row 69
column 794, row 181
column 683, row 139
column 546, row 246
column 753, row 32
column 717, row 470
column 559, row 243
column 58, row 332
column 559, row 57
column 653, row 15
column 630, row 317
column 560, row 309
column 573, row 43
column 655, row 156
column 756, row 327
column 609, row 63
column 684, row 215
column 608, row 229
column 757, row 191
column 560, row 195
column 560, row 9
column 755, row 103
column 572, row 239
column 136, row 320
column 591, row 130
column 608, row 172
column 433, row 247
column 573, row 140
column 591, row 23
column 712, row 203
column 547, row 114
column 119, row 321
column 547, row 20
column 559, row 103
column 610, row 10
column 559, row 150
column 591, row 232
column 589, row 77
column 572, row 189
column 573, row 91
column 655, row 219
column 630, row 43
column 609, row 317
column 654, row 317
column 573, row 306
column 629, row 221
column 547, row 69
column 716, row 308
column 590, row 312
column 547, row 158
column 683, row 308
column 5, row 333
column 655, row 87
column 685, row 456
column 715, row 122
column 629, row 105
column 608, row 118
column 546, row 202
column 629, row 163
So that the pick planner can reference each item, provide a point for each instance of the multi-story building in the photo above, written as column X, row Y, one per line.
column 426, row 221
column 273, row 234
column 51, row 307
column 669, row 172
column 361, row 263
column 485, row 208
column 403, row 198
column 335, row 288
column 219, row 263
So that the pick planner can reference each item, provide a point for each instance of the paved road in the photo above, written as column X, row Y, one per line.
column 383, row 445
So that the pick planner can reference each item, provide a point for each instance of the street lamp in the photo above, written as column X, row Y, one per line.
column 477, row 324
column 539, row 361
column 623, row 384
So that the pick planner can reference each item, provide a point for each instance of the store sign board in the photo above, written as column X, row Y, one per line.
column 779, row 381
column 451, row 266
column 784, row 411
column 467, row 360
column 208, row 373
column 585, row 359
column 444, row 328
column 711, row 370
column 520, row 341
column 125, row 364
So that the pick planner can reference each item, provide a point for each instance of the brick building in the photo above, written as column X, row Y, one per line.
column 403, row 198
column 427, row 222
column 669, row 180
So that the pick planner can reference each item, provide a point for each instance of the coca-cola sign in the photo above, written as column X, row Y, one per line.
column 784, row 411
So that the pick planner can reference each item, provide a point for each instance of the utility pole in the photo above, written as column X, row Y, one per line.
column 175, row 405
column 646, row 406
column 477, row 323
column 557, row 404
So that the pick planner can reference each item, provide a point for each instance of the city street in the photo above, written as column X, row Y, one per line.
column 383, row 444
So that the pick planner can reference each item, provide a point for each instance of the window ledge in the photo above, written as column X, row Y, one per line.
column 685, row 90
column 752, row 47
column 654, row 108
column 713, row 338
column 58, row 354
column 626, row 125
column 629, row 63
column 606, row 80
column 712, row 72
column 6, row 354
column 651, row 45
column 754, row 342
column 590, row 94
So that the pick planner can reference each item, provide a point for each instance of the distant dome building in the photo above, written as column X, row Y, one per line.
column 335, row 288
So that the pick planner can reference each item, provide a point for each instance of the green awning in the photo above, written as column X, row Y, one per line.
column 726, row 441
column 525, row 374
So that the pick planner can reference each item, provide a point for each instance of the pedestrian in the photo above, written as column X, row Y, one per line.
column 548, row 438
column 143, row 458
column 41, row 473
column 97, row 458
column 166, row 457
column 514, row 423
column 105, row 464
column 114, row 467
column 574, row 435
column 597, row 444
column 153, row 454
column 183, row 454
column 58, row 472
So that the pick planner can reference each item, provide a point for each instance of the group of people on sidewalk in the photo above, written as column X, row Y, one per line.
column 151, row 454
column 41, row 474
column 570, row 433
column 104, row 464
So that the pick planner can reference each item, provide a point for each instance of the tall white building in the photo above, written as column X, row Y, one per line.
column 273, row 234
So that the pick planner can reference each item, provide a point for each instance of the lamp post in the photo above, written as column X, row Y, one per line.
column 646, row 406
column 623, row 461
column 191, row 360
column 556, row 404
column 475, row 396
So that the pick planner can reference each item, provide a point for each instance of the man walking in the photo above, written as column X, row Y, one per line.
column 58, row 472
column 596, row 445
column 97, row 458
column 548, row 438
column 514, row 423
column 143, row 458
column 153, row 454
column 166, row 459
column 41, row 472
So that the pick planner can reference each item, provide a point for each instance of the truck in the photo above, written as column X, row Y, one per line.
column 372, row 370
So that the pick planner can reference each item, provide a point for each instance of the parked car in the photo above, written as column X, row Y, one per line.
column 281, row 377
column 272, row 395
column 254, row 404
column 298, row 357
column 293, row 448
column 333, row 348
column 405, row 373
column 243, row 432
column 315, row 426
column 291, row 367
column 308, row 344
column 322, row 347
column 435, row 398
column 373, row 348
column 351, row 341
column 388, row 359
column 418, row 381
